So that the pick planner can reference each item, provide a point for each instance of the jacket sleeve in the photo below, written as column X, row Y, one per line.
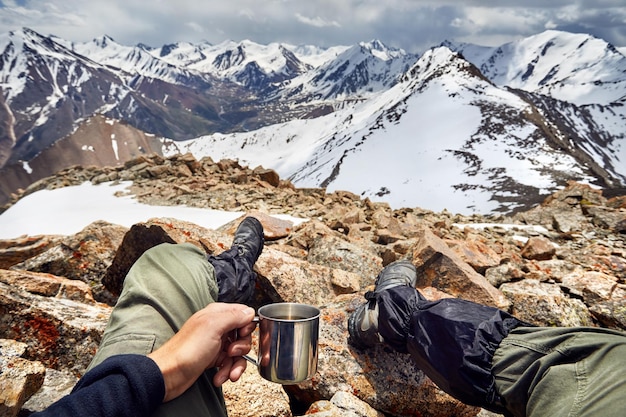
column 122, row 385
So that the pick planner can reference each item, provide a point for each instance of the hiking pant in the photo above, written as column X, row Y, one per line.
column 483, row 356
column 164, row 287
column 562, row 372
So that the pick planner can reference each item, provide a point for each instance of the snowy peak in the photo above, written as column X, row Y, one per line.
column 315, row 56
column 130, row 60
column 358, row 71
column 577, row 68
column 30, row 43
column 230, row 58
column 104, row 42
column 439, row 61
column 49, row 64
column 182, row 54
column 255, row 65
column 382, row 51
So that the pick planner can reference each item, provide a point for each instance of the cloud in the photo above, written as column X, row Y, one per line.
column 195, row 27
column 414, row 25
column 316, row 21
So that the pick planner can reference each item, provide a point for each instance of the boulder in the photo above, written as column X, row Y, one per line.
column 56, row 385
column 84, row 256
column 440, row 267
column 538, row 248
column 19, row 379
column 14, row 251
column 342, row 404
column 544, row 304
column 60, row 332
column 285, row 278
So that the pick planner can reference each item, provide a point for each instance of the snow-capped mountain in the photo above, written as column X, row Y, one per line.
column 444, row 137
column 462, row 127
column 576, row 68
column 357, row 72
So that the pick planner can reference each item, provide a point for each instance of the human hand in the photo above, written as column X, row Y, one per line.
column 203, row 342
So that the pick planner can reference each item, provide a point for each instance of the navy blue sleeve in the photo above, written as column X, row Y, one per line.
column 122, row 385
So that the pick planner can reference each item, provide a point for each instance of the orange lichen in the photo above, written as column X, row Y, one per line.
column 44, row 331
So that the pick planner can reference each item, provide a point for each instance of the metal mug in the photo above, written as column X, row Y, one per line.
column 288, row 335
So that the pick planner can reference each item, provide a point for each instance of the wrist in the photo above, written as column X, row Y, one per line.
column 170, row 374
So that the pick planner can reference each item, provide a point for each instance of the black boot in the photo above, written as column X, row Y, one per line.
column 364, row 322
column 234, row 267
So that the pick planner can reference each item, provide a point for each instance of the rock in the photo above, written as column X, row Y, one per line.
column 438, row 266
column 477, row 254
column 591, row 286
column 47, row 285
column 14, row 251
column 552, row 270
column 268, row 175
column 545, row 304
column 12, row 348
column 567, row 222
column 604, row 217
column 575, row 194
column 538, row 248
column 500, row 274
column 254, row 396
column 59, row 332
column 84, row 256
column 342, row 404
column 284, row 278
column 383, row 219
column 611, row 313
column 19, row 379
column 55, row 386
column 336, row 253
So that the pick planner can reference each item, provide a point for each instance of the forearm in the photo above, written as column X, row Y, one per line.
column 123, row 385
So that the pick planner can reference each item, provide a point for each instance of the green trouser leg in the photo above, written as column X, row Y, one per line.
column 166, row 285
column 562, row 372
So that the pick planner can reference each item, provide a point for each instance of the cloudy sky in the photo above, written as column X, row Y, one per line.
column 410, row 24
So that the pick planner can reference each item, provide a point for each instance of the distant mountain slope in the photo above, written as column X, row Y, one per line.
column 484, row 130
column 576, row 68
column 442, row 138
column 97, row 141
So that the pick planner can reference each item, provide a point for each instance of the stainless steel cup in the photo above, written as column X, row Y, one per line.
column 288, row 335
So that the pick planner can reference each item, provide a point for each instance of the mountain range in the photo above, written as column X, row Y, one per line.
column 460, row 127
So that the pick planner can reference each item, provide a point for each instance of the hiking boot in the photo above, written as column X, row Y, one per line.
column 363, row 322
column 249, row 239
column 234, row 267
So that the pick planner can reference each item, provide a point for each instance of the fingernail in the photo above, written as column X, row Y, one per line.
column 248, row 311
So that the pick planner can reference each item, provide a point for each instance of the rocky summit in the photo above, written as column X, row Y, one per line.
column 562, row 263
